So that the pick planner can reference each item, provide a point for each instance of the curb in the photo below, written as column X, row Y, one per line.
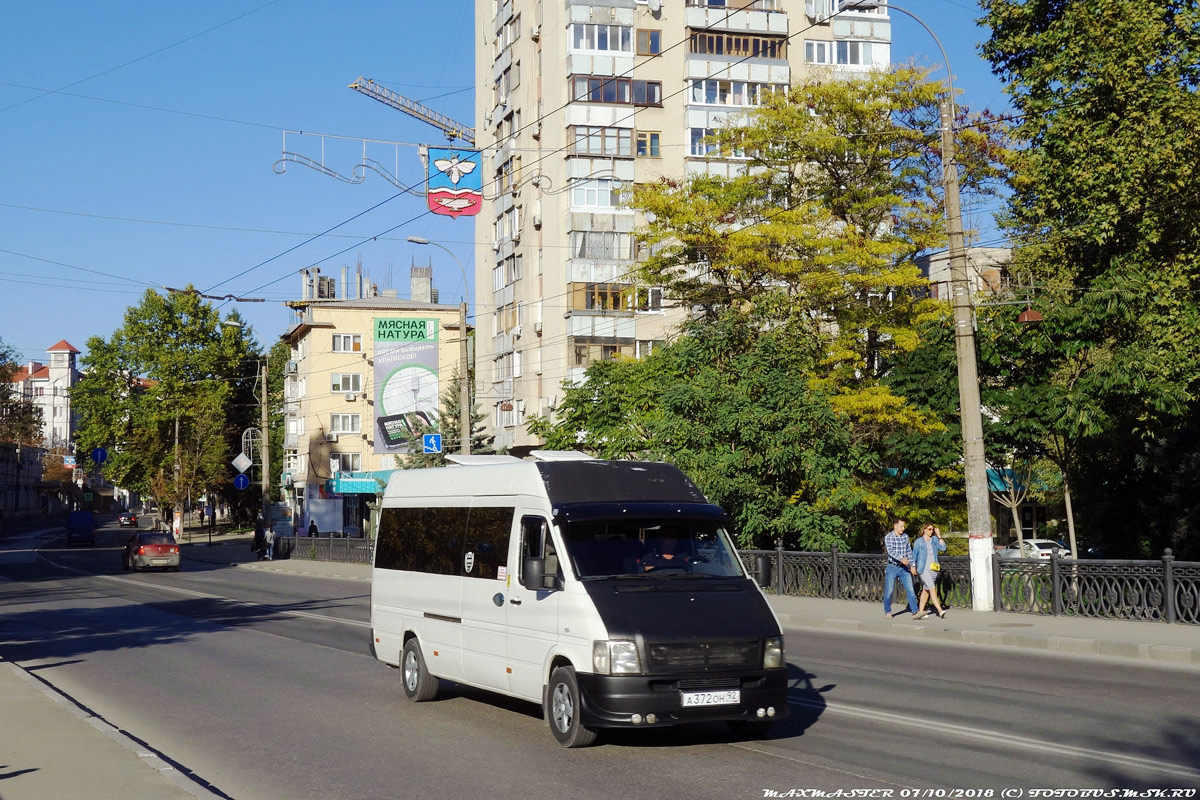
column 1162, row 654
column 187, row 782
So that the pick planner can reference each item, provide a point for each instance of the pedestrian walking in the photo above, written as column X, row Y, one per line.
column 312, row 528
column 212, row 518
column 898, row 553
column 925, row 559
column 259, row 542
column 269, row 538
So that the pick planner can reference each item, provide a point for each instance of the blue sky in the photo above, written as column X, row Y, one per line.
column 162, row 175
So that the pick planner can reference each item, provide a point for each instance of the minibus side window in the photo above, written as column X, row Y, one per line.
column 536, row 542
column 487, row 540
column 426, row 540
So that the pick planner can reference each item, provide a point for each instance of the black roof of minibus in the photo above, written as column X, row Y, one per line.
column 625, row 481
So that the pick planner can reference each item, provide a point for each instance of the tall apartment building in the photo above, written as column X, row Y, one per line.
column 579, row 98
column 49, row 387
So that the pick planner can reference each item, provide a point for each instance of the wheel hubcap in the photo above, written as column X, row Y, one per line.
column 411, row 670
column 562, row 709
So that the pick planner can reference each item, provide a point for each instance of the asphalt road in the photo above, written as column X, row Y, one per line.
column 261, row 684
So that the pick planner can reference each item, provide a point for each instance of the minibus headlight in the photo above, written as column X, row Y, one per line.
column 773, row 653
column 615, row 658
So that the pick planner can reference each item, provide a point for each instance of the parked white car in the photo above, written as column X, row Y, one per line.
column 1035, row 548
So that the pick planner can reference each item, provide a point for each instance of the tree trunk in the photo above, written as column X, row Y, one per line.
column 1070, row 516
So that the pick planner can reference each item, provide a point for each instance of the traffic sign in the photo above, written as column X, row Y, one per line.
column 431, row 443
column 68, row 461
column 241, row 481
column 241, row 463
column 99, row 455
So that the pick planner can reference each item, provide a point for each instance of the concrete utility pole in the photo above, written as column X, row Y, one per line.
column 979, row 527
column 265, row 449
column 464, row 389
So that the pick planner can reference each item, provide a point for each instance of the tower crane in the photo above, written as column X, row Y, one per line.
column 452, row 129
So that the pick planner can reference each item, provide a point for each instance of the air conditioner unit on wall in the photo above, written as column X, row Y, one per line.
column 536, row 33
column 331, row 437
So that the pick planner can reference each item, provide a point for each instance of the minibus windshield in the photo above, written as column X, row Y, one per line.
column 649, row 548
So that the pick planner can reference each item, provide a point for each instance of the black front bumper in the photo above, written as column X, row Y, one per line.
column 610, row 701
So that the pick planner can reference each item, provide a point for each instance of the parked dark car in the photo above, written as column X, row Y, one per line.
column 150, row 549
column 81, row 528
column 127, row 519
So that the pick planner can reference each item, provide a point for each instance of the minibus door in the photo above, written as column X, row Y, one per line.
column 532, row 615
column 485, row 577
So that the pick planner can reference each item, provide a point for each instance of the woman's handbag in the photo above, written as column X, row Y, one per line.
column 934, row 566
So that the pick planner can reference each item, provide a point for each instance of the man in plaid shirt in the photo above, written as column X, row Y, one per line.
column 899, row 553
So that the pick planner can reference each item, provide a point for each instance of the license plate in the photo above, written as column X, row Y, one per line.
column 730, row 697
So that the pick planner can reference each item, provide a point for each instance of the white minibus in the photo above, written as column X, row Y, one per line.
column 609, row 592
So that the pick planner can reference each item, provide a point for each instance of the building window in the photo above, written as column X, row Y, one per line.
column 586, row 351
column 618, row 91
column 647, row 144
column 718, row 92
column 595, row 141
column 702, row 142
column 818, row 52
column 509, row 316
column 854, row 53
column 600, row 193
column 603, row 245
column 508, row 366
column 601, row 38
column 506, row 272
column 347, row 343
column 708, row 142
column 733, row 44
column 345, row 462
column 645, row 347
column 599, row 297
column 649, row 42
column 345, row 382
column 345, row 423
column 647, row 298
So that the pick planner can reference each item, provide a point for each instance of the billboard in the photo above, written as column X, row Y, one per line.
column 406, row 381
column 454, row 181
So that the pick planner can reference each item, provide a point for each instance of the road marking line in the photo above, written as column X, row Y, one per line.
column 1024, row 743
column 207, row 596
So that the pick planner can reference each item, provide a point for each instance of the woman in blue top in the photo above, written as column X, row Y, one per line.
column 925, row 558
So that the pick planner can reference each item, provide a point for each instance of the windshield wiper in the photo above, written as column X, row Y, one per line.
column 613, row 577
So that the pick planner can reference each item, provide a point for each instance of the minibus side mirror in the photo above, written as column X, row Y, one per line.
column 533, row 571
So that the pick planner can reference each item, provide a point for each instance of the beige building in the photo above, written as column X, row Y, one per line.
column 577, row 99
column 987, row 271
column 367, row 369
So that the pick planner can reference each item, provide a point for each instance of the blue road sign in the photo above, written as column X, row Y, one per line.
column 99, row 455
column 241, row 481
column 431, row 443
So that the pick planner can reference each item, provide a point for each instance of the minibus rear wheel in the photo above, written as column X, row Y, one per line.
column 563, row 707
column 419, row 685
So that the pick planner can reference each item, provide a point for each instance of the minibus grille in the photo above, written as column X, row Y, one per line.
column 705, row 656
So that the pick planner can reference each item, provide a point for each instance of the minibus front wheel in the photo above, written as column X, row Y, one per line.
column 419, row 685
column 563, row 709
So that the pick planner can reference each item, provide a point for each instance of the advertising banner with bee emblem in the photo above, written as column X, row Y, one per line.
column 454, row 181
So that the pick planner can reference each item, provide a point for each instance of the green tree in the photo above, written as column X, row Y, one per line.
column 160, row 394
column 20, row 417
column 449, row 424
column 1104, row 209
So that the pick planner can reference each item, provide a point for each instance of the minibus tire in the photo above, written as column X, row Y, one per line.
column 419, row 685
column 563, row 707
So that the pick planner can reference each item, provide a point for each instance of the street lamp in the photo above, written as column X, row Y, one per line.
column 979, row 527
column 464, row 392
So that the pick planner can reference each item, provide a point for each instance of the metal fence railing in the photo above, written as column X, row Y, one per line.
column 1162, row 590
column 325, row 548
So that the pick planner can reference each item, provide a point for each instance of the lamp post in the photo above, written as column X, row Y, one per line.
column 979, row 527
column 264, row 437
column 464, row 392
